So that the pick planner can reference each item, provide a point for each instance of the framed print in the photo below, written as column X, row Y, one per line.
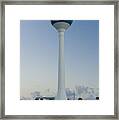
column 59, row 59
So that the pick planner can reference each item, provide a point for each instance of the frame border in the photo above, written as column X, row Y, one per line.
column 51, row 2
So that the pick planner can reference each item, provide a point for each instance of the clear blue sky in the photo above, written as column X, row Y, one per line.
column 39, row 55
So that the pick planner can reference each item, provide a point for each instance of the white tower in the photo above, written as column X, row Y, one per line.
column 61, row 26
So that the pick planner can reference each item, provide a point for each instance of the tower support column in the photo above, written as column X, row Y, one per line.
column 61, row 95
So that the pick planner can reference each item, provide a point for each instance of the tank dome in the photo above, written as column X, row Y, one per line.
column 67, row 21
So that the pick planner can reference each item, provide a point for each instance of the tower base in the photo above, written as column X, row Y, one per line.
column 61, row 96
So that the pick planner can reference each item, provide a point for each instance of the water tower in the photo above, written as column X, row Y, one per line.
column 61, row 26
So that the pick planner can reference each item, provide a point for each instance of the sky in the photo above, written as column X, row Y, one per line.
column 39, row 56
